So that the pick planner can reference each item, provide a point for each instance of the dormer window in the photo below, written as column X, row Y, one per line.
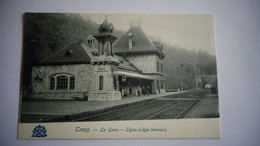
column 69, row 53
column 90, row 40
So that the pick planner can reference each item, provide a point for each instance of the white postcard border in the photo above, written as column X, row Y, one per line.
column 145, row 129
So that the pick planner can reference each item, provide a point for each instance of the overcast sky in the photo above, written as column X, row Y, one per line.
column 193, row 32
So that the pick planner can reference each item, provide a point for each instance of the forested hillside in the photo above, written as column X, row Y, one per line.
column 180, row 65
column 44, row 34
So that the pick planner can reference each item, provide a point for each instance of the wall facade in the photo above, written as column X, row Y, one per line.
column 87, row 80
column 108, row 91
column 158, row 84
column 148, row 63
column 160, row 68
column 145, row 62
column 83, row 74
column 108, row 80
column 151, row 64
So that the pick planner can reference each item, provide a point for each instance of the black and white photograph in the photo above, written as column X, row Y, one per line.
column 87, row 67
column 113, row 72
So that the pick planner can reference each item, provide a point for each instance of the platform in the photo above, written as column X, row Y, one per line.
column 41, row 111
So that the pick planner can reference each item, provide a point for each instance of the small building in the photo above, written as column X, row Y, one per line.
column 83, row 71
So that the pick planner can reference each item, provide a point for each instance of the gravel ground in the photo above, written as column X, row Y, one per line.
column 71, row 107
column 207, row 108
column 37, row 111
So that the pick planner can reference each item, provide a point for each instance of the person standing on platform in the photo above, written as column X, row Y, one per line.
column 123, row 92
column 144, row 90
column 139, row 90
column 148, row 90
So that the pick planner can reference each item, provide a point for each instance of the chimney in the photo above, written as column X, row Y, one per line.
column 130, row 40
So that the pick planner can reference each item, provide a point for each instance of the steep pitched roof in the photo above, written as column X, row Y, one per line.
column 141, row 42
column 158, row 45
column 88, row 47
column 74, row 53
column 81, row 53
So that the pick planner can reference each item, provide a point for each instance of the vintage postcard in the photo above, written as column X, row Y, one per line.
column 118, row 76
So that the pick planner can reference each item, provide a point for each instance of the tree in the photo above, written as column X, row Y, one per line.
column 46, row 33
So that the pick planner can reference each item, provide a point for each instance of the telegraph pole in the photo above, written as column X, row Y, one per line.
column 195, row 76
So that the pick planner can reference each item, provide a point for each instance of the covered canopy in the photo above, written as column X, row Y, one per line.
column 133, row 75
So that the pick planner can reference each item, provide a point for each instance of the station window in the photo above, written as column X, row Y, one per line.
column 101, row 80
column 52, row 83
column 158, row 66
column 62, row 82
column 161, row 67
column 72, row 83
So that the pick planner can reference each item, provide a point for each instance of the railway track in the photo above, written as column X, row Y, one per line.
column 182, row 114
column 118, row 112
column 154, row 109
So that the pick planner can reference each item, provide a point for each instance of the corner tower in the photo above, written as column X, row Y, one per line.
column 104, row 64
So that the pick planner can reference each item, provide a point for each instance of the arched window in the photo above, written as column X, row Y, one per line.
column 72, row 83
column 62, row 82
column 52, row 83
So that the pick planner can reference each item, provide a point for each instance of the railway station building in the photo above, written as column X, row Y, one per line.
column 99, row 70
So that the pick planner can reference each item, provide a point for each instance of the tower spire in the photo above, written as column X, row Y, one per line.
column 105, row 38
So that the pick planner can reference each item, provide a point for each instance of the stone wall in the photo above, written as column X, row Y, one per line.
column 161, row 61
column 87, row 79
column 104, row 95
column 105, row 71
column 146, row 63
column 41, row 86
column 108, row 92
column 155, row 89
